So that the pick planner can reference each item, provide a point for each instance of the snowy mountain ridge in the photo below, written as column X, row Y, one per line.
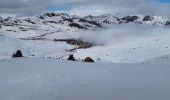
column 87, row 22
column 107, row 38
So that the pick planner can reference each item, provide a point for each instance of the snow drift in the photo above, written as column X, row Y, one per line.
column 44, row 79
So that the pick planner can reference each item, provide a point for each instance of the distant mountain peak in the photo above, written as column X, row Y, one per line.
column 87, row 22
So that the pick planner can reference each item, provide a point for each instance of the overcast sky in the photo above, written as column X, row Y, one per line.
column 85, row 7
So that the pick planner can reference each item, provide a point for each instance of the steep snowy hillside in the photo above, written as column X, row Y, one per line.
column 108, row 38
column 43, row 79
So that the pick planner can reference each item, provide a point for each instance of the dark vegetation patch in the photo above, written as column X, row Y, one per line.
column 17, row 54
column 76, row 42
column 81, row 44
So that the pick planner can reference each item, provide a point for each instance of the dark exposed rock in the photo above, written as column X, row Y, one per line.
column 130, row 18
column 68, row 19
column 7, row 19
column 167, row 23
column 52, row 22
column 118, row 19
column 88, row 59
column 29, row 21
column 41, row 17
column 90, row 16
column 106, row 21
column 71, row 58
column 1, row 21
column 90, row 22
column 50, row 14
column 11, row 30
column 17, row 21
column 23, row 30
column 147, row 18
column 88, row 26
column 8, row 24
column 77, row 26
column 56, row 14
column 62, row 15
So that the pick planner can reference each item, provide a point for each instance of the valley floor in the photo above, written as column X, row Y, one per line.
column 49, row 79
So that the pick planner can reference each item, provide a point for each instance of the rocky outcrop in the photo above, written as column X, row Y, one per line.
column 88, row 59
column 76, row 25
column 128, row 19
column 148, row 18
column 71, row 58
column 17, row 54
column 167, row 23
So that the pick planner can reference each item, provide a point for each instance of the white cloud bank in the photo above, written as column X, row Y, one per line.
column 84, row 7
column 122, row 33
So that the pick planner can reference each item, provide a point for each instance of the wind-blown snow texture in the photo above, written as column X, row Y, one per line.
column 43, row 79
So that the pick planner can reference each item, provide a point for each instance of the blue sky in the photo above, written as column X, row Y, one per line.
column 147, row 8
column 165, row 1
column 30, row 7
column 61, row 8
column 69, row 7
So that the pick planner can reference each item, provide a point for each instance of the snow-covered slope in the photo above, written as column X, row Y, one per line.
column 130, row 50
column 87, row 22
column 159, row 60
column 43, row 79
column 108, row 38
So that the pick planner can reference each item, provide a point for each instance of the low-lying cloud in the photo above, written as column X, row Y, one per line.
column 153, row 7
column 122, row 33
column 144, row 7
